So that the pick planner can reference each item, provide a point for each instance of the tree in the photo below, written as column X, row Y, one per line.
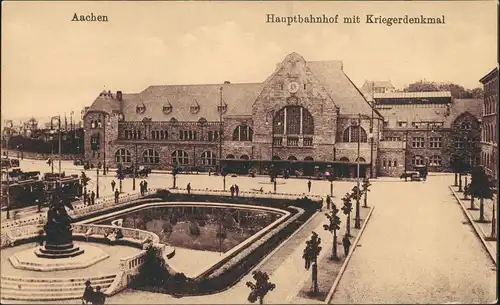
column 347, row 209
column 356, row 195
column 332, row 226
column 456, row 91
column 458, row 166
column 481, row 187
column 153, row 271
column 175, row 171
column 365, row 189
column 119, row 175
column 260, row 288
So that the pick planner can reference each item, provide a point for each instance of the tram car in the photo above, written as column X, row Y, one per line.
column 71, row 184
column 9, row 162
column 22, row 193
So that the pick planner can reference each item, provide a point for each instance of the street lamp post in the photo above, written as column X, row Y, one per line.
column 6, row 134
column 357, row 220
column 220, row 131
column 135, row 166
column 97, row 180
column 405, row 149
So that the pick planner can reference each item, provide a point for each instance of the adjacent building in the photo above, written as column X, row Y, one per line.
column 426, row 128
column 489, row 135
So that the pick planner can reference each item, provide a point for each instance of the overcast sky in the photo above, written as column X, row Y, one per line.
column 51, row 65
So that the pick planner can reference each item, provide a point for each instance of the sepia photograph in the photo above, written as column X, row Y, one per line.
column 249, row 152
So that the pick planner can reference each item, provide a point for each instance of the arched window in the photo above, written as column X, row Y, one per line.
column 308, row 158
column 150, row 156
column 122, row 156
column 92, row 124
column 243, row 133
column 389, row 163
column 384, row 163
column 417, row 160
column 466, row 125
column 244, row 157
column 361, row 159
column 344, row 159
column 351, row 134
column 292, row 158
column 293, row 120
column 99, row 124
column 395, row 163
column 230, row 156
column 208, row 158
column 276, row 158
column 180, row 157
column 435, row 160
column 95, row 142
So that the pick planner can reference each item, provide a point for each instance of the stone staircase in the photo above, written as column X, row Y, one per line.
column 47, row 289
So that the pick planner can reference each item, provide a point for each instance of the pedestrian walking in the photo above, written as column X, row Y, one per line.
column 232, row 190
column 309, row 183
column 306, row 256
column 99, row 297
column 113, row 184
column 328, row 201
column 88, row 293
column 237, row 190
column 145, row 186
column 92, row 198
column 209, row 172
column 347, row 244
column 117, row 194
column 321, row 205
column 188, row 188
column 141, row 185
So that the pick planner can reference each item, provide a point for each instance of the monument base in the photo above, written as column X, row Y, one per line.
column 30, row 260
column 58, row 251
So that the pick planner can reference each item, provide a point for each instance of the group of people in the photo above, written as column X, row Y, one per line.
column 90, row 296
column 235, row 190
column 89, row 199
column 144, row 187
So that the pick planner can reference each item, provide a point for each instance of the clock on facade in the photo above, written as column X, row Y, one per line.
column 293, row 87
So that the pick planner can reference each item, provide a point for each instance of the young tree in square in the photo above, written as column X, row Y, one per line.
column 482, row 188
column 330, row 178
column 356, row 195
column 332, row 226
column 260, row 288
column 365, row 187
column 347, row 209
column 224, row 173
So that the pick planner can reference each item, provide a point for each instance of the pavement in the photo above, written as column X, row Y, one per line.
column 417, row 248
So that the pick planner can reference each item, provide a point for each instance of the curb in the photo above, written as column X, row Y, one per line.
column 477, row 229
column 346, row 261
column 283, row 243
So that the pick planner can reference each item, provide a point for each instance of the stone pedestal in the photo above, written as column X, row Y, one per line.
column 58, row 244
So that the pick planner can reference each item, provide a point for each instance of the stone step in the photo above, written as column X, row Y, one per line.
column 49, row 290
column 23, row 296
column 56, row 280
column 48, row 286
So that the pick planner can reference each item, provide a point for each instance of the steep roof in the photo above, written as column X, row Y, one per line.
column 342, row 90
column 431, row 113
column 489, row 75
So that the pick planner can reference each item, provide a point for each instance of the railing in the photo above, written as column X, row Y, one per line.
column 308, row 142
column 292, row 141
column 277, row 141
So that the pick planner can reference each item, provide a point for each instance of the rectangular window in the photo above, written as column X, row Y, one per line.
column 419, row 125
column 418, row 142
column 277, row 141
column 386, row 124
column 402, row 124
column 181, row 134
column 459, row 143
column 308, row 142
column 436, row 142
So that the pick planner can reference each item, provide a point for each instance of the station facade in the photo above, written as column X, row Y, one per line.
column 305, row 118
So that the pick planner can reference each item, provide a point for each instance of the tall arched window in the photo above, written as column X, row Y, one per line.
column 150, row 156
column 122, row 156
column 351, row 134
column 243, row 133
column 293, row 120
column 95, row 142
column 417, row 160
column 208, row 158
column 180, row 157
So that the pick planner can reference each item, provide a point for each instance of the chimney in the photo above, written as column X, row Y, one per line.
column 119, row 95
column 227, row 82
